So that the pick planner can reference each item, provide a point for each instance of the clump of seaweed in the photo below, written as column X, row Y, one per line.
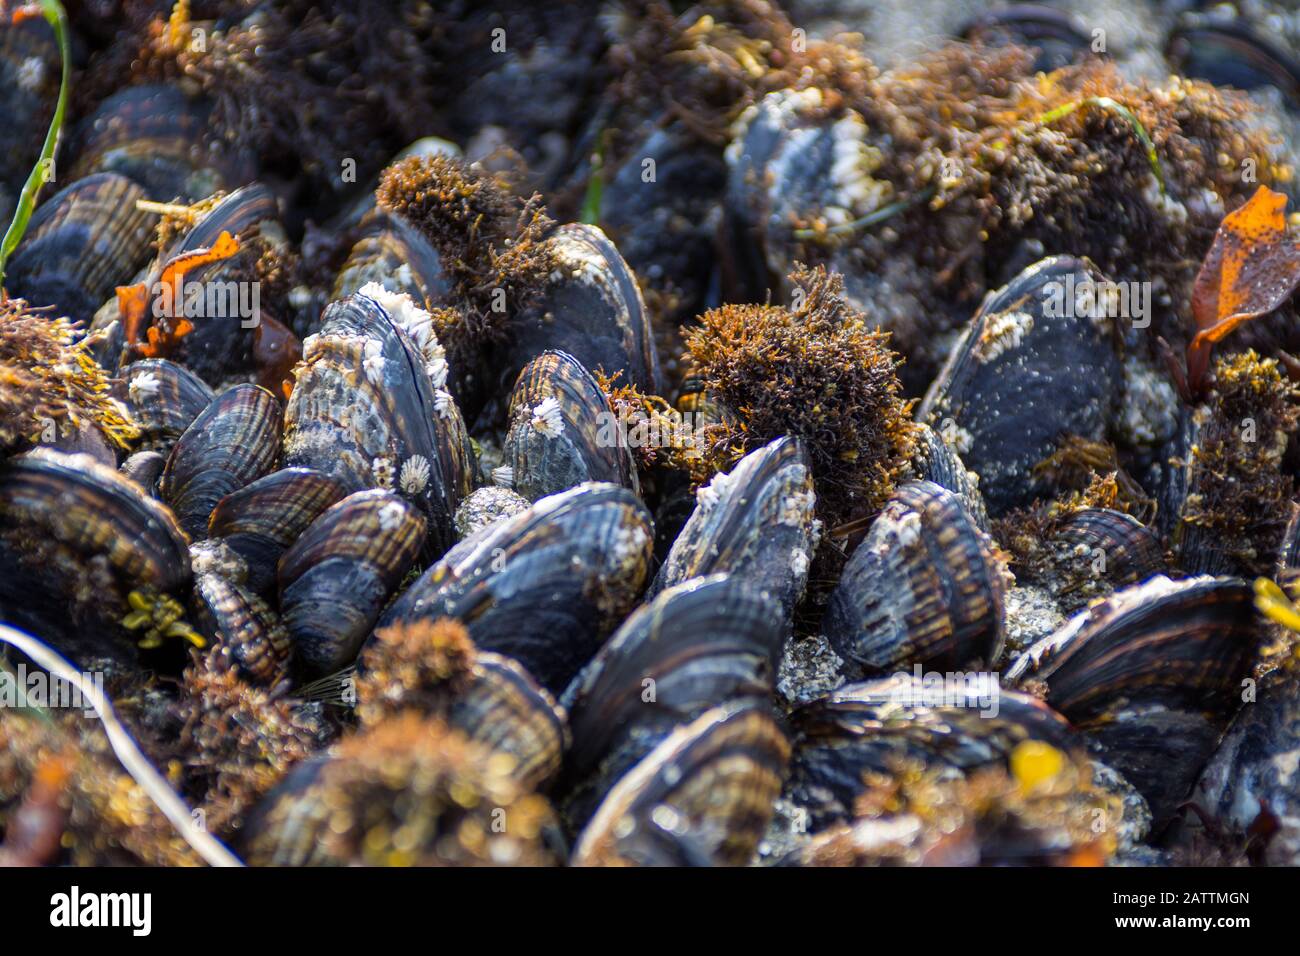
column 1044, row 809
column 50, row 385
column 492, row 243
column 419, row 665
column 817, row 371
column 408, row 792
column 1239, row 495
column 239, row 739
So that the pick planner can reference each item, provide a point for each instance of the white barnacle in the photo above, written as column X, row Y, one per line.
column 503, row 476
column 390, row 515
column 415, row 475
column 382, row 469
column 797, row 507
column 436, row 368
column 143, row 387
column 443, row 403
column 799, row 562
column 1002, row 332
column 547, row 418
column 373, row 363
column 409, row 317
column 709, row 495
column 31, row 73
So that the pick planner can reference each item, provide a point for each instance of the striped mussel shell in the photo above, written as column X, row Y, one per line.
column 1231, row 52
column 704, row 796
column 546, row 586
column 163, row 398
column 246, row 628
column 234, row 441
column 369, row 409
column 962, row 721
column 1097, row 551
column 261, row 520
column 80, row 244
column 1032, row 368
column 934, row 460
column 695, row 646
column 563, row 431
column 1153, row 675
column 392, row 252
column 505, row 709
column 924, row 587
column 592, row 309
column 157, row 136
column 337, row 577
column 76, row 539
column 756, row 522
column 1249, row 785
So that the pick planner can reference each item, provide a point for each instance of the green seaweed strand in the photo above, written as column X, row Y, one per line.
column 1119, row 109
column 54, row 14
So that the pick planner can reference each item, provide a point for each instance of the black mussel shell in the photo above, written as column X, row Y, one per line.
column 80, row 244
column 934, row 460
column 1096, row 551
column 702, row 797
column 545, row 586
column 1033, row 369
column 337, row 577
column 366, row 411
column 1058, row 38
column 245, row 626
column 923, row 587
column 962, row 721
column 563, row 430
column 261, row 520
column 695, row 646
column 233, row 442
column 755, row 522
column 163, row 398
column 1232, row 53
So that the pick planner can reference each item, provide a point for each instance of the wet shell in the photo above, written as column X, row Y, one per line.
column 756, row 522
column 1097, row 551
column 563, row 431
column 545, row 586
column 338, row 576
column 80, row 244
column 158, row 137
column 935, row 461
column 365, row 411
column 961, row 721
column 163, row 398
column 1232, row 53
column 922, row 588
column 592, row 309
column 1032, row 369
column 1153, row 675
column 233, row 442
column 77, row 538
column 29, row 75
column 697, row 645
column 145, row 468
column 261, row 520
column 393, row 253
column 244, row 625
column 703, row 797
column 1058, row 38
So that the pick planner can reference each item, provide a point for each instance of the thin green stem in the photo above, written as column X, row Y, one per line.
column 871, row 218
column 1119, row 109
column 54, row 14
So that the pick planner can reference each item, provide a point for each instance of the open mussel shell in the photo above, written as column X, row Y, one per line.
column 592, row 309
column 80, row 244
column 1057, row 38
column 340, row 573
column 546, row 586
column 962, row 721
column 934, row 460
column 755, row 522
column 695, row 646
column 163, row 399
column 1153, row 674
column 504, row 709
column 1037, row 365
column 1097, row 551
column 233, row 442
column 563, row 431
column 261, row 520
column 365, row 411
column 1249, row 785
column 77, row 539
column 245, row 626
column 704, row 796
column 923, row 587
column 159, row 137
